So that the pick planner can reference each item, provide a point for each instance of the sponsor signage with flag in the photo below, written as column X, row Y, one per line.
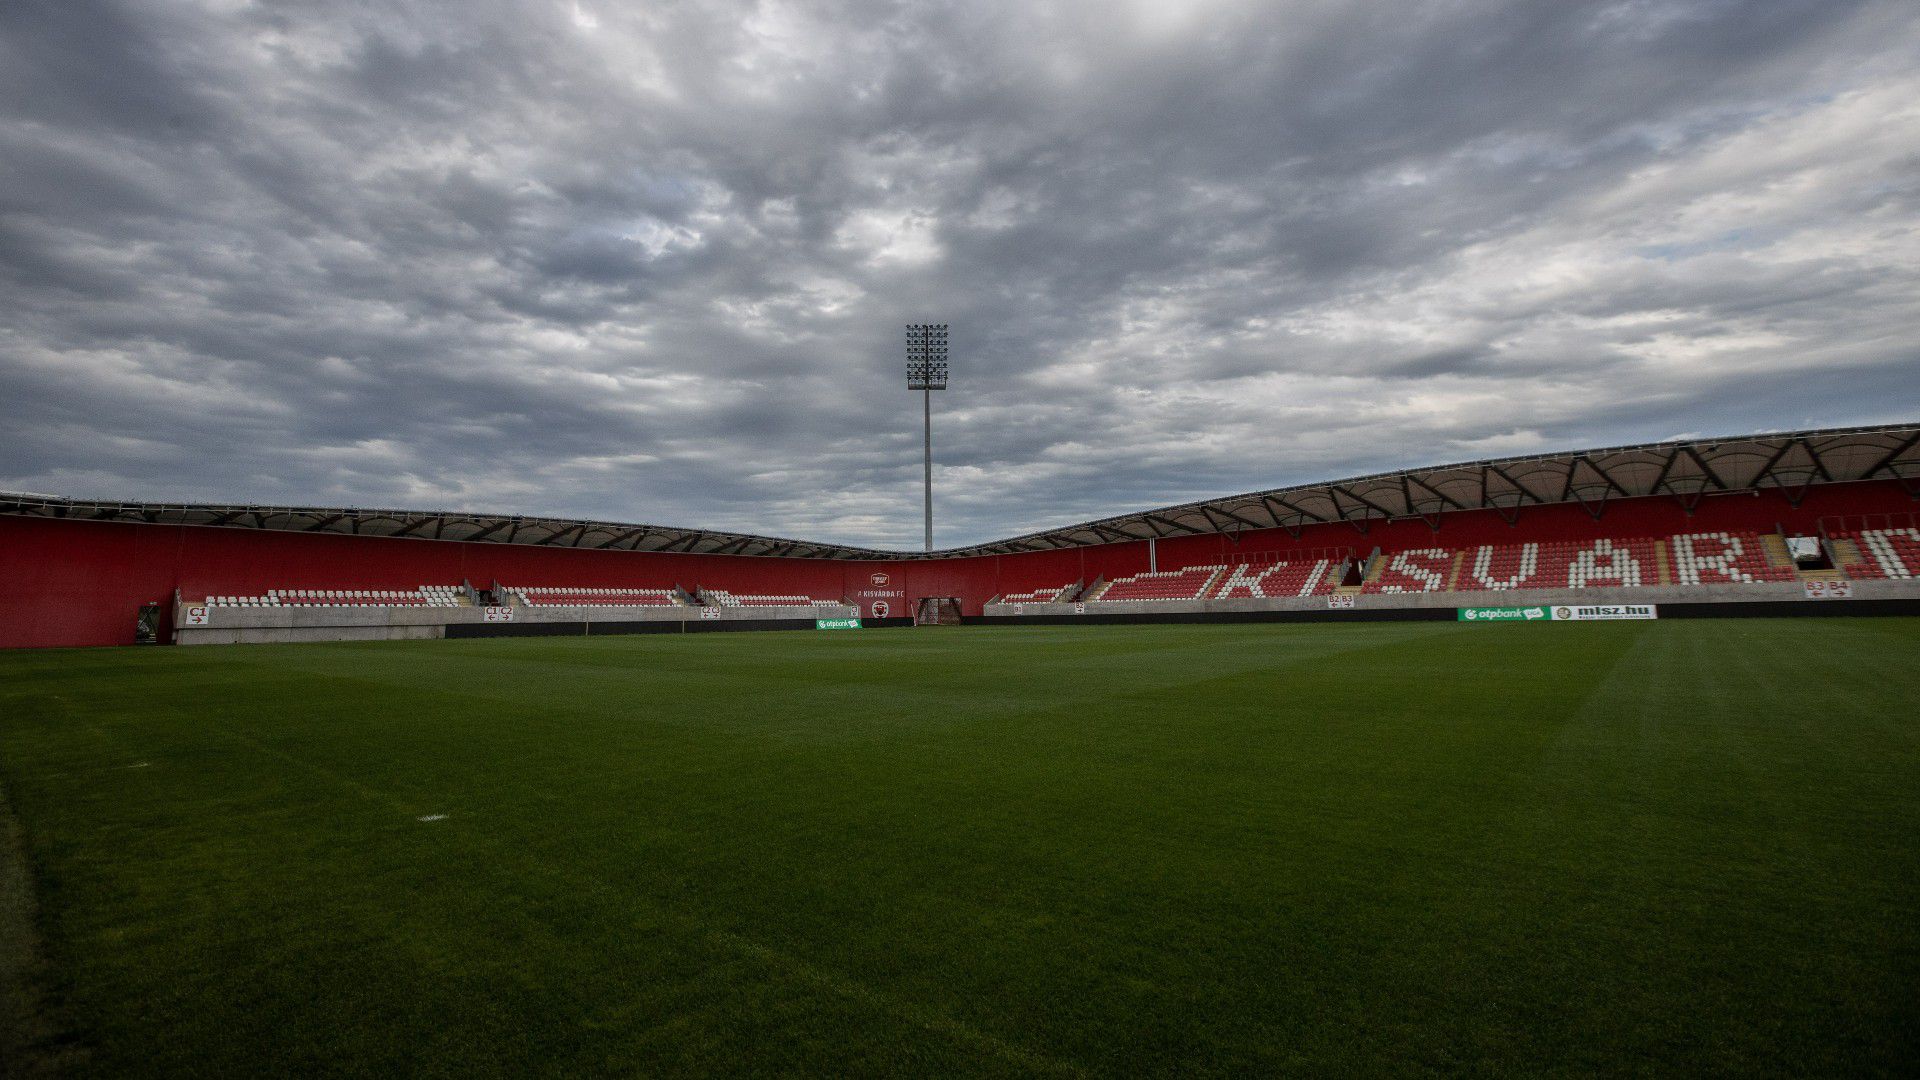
column 836, row 624
column 1591, row 612
column 1559, row 613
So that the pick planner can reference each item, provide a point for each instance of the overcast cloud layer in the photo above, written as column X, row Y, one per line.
column 651, row 261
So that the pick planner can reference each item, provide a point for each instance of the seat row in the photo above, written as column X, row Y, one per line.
column 1051, row 595
column 562, row 596
column 424, row 596
column 723, row 598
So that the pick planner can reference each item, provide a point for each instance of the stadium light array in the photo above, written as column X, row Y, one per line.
column 927, row 372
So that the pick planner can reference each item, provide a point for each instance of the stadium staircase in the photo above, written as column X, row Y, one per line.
column 1774, row 547
column 1375, row 566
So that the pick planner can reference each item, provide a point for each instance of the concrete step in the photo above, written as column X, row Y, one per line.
column 1776, row 548
column 1847, row 553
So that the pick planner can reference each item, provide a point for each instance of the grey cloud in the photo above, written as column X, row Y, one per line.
column 652, row 261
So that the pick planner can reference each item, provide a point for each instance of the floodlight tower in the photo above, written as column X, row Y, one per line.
column 927, row 372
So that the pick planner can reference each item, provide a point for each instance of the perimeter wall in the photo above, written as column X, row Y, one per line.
column 67, row 583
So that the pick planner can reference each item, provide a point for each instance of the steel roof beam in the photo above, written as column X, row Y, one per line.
column 1172, row 524
column 1362, row 500
column 1437, row 493
column 1892, row 456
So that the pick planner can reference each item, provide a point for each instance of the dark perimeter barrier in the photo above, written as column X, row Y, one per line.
column 604, row 629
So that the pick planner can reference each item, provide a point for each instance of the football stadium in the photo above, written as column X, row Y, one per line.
column 478, row 598
column 1234, row 787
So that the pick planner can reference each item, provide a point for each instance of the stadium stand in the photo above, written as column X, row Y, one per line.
column 1315, row 577
column 424, row 596
column 1705, row 558
column 1723, row 558
column 1573, row 564
column 1867, row 554
column 1745, row 520
column 1710, row 558
column 568, row 596
column 1414, row 571
column 1188, row 583
column 722, row 598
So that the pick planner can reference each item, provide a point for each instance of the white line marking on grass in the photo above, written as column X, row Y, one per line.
column 930, row 1019
column 431, row 817
column 140, row 765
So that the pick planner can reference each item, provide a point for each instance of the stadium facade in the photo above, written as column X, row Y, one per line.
column 1786, row 517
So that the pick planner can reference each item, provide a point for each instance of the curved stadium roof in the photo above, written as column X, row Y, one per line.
column 1685, row 469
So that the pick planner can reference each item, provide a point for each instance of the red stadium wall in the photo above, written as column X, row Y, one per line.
column 80, row 583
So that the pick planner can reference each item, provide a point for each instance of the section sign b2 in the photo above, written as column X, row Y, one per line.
column 1558, row 613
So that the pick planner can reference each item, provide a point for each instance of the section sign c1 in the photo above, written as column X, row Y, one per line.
column 1503, row 614
column 836, row 624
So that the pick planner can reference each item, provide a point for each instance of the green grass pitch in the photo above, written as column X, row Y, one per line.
column 1670, row 848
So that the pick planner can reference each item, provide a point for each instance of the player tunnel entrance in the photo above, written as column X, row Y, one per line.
column 937, row 611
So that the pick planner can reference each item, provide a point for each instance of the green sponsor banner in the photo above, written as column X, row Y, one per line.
column 1503, row 614
column 1558, row 613
column 836, row 624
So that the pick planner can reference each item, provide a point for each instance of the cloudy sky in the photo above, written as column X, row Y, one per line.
column 651, row 261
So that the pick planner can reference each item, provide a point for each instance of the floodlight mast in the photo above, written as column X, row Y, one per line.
column 927, row 372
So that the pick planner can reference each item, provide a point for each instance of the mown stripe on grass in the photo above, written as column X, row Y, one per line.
column 822, row 978
column 35, row 1040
